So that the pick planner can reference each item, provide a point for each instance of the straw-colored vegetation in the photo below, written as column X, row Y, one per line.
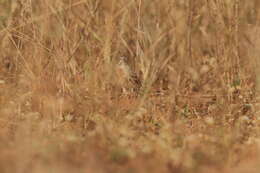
column 64, row 106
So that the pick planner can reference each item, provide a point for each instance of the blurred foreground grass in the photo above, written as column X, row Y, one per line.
column 62, row 108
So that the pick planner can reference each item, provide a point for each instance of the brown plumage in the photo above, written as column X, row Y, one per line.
column 126, row 78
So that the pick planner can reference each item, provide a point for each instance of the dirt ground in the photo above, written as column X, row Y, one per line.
column 183, row 99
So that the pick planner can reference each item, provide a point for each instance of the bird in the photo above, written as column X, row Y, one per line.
column 127, row 79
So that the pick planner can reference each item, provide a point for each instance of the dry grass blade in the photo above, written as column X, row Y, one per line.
column 129, row 86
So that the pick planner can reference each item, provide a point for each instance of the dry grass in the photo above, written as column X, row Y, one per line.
column 62, row 108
